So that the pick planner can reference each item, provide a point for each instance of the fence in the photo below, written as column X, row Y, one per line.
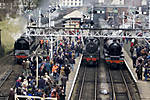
column 22, row 97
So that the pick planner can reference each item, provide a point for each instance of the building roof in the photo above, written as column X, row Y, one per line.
column 74, row 14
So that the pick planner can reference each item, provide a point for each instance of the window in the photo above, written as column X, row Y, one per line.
column 75, row 3
column 79, row 4
column 71, row 3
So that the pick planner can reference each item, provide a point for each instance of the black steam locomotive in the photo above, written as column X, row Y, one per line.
column 91, row 51
column 113, row 54
column 23, row 47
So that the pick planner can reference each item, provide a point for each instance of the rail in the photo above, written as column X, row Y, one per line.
column 83, row 82
column 83, row 79
column 5, row 77
column 125, row 83
column 112, row 84
column 95, row 83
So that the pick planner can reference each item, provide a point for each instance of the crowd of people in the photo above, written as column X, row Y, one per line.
column 52, row 73
column 140, row 53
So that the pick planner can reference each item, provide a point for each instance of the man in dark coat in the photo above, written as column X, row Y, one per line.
column 11, row 94
column 62, row 95
column 134, row 60
column 131, row 51
column 139, row 69
column 63, row 81
column 67, row 71
column 41, row 83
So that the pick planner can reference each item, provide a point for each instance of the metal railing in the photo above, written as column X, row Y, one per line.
column 18, row 97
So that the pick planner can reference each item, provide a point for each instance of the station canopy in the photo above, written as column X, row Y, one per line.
column 74, row 14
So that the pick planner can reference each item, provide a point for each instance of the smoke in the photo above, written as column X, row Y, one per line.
column 44, row 4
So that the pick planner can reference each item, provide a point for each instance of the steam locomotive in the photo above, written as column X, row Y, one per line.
column 113, row 54
column 91, row 52
column 23, row 47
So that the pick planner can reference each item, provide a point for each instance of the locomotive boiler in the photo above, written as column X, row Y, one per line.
column 91, row 51
column 113, row 54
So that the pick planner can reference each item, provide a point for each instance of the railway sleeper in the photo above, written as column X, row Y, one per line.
column 114, row 82
column 121, row 93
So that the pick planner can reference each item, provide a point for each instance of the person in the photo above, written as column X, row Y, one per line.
column 67, row 71
column 138, row 49
column 41, row 83
column 11, row 94
column 132, row 43
column 25, row 83
column 62, row 95
column 18, row 82
column 23, row 65
column 42, row 70
column 27, row 67
column 131, row 51
column 72, row 62
column 54, row 94
column 41, row 43
column 63, row 82
column 55, row 67
column 139, row 69
column 146, row 71
column 134, row 60
column 56, row 76
column 22, row 77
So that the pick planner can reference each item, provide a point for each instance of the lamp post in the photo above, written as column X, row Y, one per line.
column 37, row 70
column 39, row 17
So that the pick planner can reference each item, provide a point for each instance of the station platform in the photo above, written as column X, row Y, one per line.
column 142, row 85
column 72, row 78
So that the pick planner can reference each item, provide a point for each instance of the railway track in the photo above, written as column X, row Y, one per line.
column 5, row 77
column 88, row 84
column 120, row 89
column 92, row 81
column 8, row 80
column 8, row 74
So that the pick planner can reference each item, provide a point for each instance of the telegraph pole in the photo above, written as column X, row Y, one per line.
column 134, row 19
column 123, row 19
column 92, row 15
